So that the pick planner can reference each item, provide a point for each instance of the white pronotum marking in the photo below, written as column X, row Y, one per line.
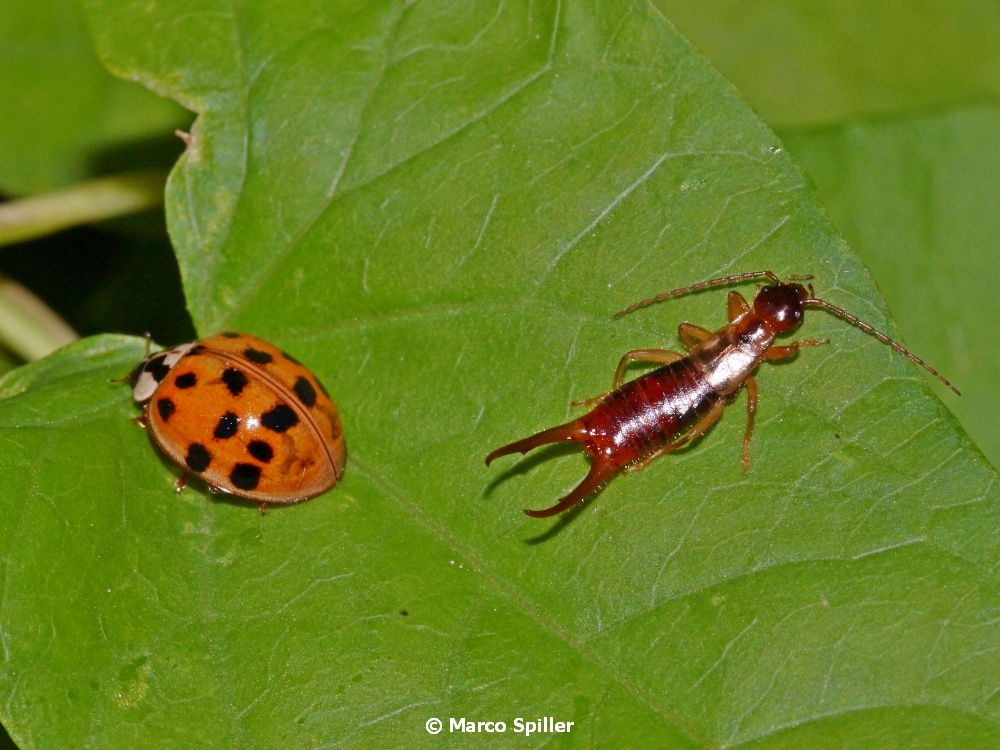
column 147, row 383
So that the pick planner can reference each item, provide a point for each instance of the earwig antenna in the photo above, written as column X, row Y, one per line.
column 722, row 280
column 841, row 313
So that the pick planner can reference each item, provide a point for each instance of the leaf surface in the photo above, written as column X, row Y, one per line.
column 814, row 63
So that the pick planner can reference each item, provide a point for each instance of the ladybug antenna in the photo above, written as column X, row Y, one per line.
column 855, row 320
column 722, row 280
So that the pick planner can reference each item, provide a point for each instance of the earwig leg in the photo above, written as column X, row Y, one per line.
column 701, row 427
column 751, row 385
column 645, row 461
column 692, row 335
column 599, row 472
column 570, row 431
column 775, row 353
column 659, row 356
column 737, row 306
column 693, row 434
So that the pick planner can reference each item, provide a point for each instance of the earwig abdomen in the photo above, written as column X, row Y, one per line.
column 647, row 413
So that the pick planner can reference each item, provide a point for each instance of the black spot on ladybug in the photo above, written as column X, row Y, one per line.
column 166, row 407
column 196, row 349
column 280, row 418
column 229, row 335
column 260, row 450
column 304, row 390
column 255, row 355
column 289, row 357
column 198, row 458
column 228, row 424
column 187, row 380
column 322, row 388
column 235, row 380
column 157, row 368
column 245, row 476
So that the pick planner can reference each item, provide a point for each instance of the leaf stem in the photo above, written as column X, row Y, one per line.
column 28, row 326
column 94, row 200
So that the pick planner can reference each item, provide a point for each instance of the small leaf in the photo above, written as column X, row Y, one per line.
column 60, row 105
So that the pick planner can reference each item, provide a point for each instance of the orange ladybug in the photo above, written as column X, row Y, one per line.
column 244, row 416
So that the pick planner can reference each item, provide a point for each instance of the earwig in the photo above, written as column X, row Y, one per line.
column 666, row 408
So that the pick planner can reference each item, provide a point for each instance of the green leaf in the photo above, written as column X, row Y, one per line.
column 60, row 105
column 916, row 195
column 438, row 207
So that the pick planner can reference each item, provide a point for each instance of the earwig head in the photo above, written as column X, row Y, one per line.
column 781, row 306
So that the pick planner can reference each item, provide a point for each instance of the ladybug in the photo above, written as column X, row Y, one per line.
column 244, row 416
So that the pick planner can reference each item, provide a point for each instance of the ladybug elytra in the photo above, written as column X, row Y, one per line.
column 244, row 416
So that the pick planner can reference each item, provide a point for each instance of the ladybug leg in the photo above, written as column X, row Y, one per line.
column 140, row 420
column 262, row 507
column 145, row 356
column 181, row 482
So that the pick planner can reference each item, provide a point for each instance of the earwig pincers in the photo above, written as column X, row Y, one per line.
column 666, row 408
